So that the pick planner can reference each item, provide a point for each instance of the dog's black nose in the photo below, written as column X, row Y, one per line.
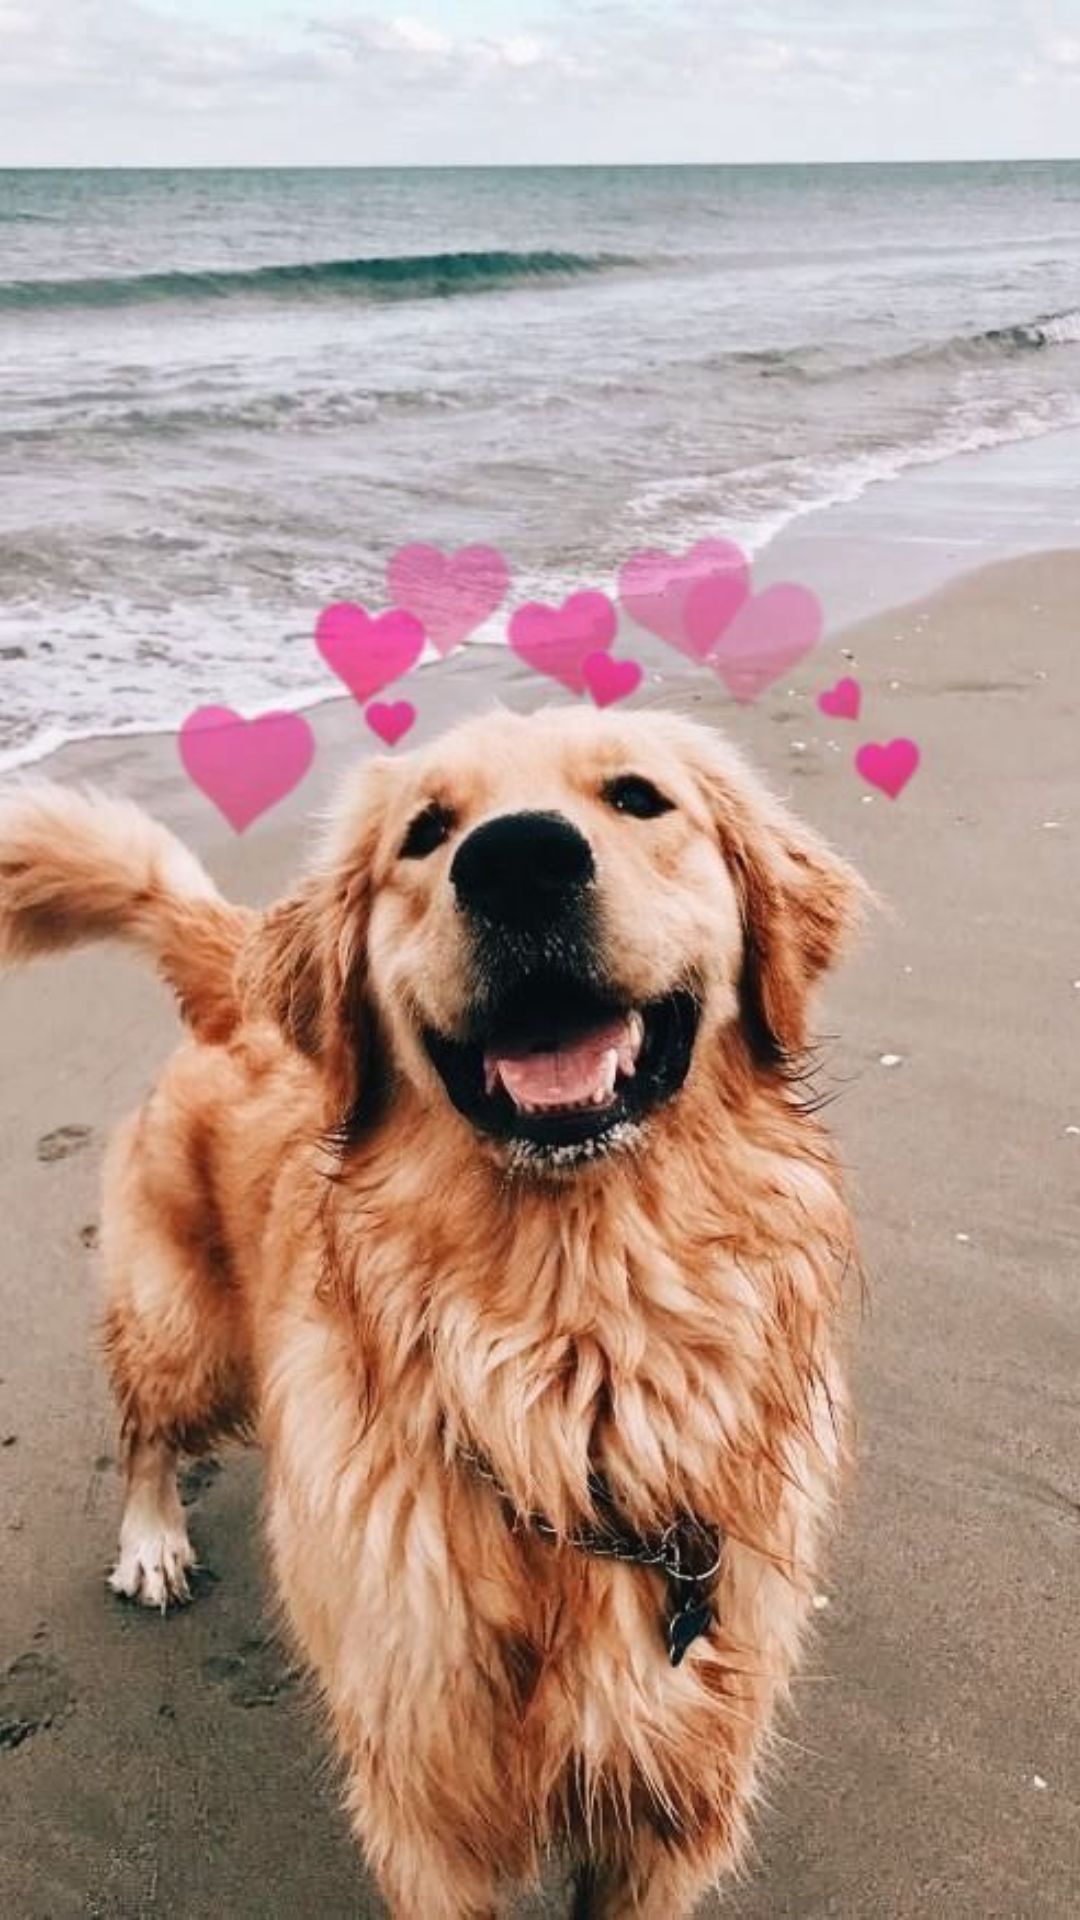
column 522, row 866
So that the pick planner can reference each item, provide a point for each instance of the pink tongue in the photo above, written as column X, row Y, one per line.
column 567, row 1077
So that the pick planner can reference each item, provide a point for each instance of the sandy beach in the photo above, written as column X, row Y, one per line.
column 933, row 1767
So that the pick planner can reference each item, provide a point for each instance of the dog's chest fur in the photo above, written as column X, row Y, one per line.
column 624, row 1329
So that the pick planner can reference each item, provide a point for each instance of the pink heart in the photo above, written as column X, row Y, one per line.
column 842, row 702
column 451, row 594
column 888, row 768
column 391, row 720
column 768, row 635
column 365, row 650
column 245, row 766
column 656, row 590
column 558, row 640
column 710, row 608
column 609, row 680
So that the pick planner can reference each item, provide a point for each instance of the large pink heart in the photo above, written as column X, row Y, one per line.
column 609, row 680
column 769, row 634
column 656, row 590
column 245, row 766
column 367, row 650
column 557, row 641
column 451, row 594
column 889, row 768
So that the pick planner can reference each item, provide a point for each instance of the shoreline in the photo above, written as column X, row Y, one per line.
column 450, row 682
column 896, row 540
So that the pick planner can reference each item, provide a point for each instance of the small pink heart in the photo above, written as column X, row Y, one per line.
column 656, row 588
column 769, row 634
column 391, row 720
column 451, row 594
column 366, row 650
column 609, row 680
column 842, row 702
column 889, row 768
column 557, row 641
column 245, row 766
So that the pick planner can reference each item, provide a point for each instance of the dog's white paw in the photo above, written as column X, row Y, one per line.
column 153, row 1566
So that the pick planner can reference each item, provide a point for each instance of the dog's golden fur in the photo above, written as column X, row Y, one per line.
column 379, row 1304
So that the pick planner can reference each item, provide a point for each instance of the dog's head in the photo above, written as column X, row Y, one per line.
column 548, row 923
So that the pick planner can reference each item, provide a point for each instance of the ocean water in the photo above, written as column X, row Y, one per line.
column 227, row 397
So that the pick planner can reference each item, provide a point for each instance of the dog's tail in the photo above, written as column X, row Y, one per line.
column 78, row 867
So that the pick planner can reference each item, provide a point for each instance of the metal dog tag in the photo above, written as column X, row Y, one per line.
column 693, row 1619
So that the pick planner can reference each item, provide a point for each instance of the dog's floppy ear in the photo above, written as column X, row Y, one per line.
column 304, row 966
column 800, row 902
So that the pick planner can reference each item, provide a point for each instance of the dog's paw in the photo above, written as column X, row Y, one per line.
column 152, row 1568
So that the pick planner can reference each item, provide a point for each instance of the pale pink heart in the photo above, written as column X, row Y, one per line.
column 842, row 702
column 557, row 641
column 889, row 767
column 451, row 594
column 709, row 610
column 655, row 589
column 245, row 766
column 390, row 719
column 367, row 650
column 609, row 680
column 768, row 636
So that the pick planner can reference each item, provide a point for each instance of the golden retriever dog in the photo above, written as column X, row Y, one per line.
column 482, row 1192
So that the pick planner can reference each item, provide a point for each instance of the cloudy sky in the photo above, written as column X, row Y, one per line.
column 188, row 82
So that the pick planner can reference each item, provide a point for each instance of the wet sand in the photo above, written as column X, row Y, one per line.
column 933, row 1764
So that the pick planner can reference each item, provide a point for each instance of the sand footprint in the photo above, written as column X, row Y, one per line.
column 256, row 1675
column 33, row 1696
column 62, row 1142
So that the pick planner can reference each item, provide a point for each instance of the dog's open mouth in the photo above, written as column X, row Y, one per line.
column 561, row 1065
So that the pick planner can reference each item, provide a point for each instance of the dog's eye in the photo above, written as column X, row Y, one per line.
column 632, row 794
column 429, row 830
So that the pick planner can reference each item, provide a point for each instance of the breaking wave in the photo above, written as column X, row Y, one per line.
column 409, row 276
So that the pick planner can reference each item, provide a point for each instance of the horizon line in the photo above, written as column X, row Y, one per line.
column 524, row 166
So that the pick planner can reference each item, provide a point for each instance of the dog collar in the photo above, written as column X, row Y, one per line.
column 688, row 1553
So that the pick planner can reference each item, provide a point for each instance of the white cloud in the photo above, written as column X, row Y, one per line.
column 521, row 50
column 417, row 37
column 702, row 79
column 417, row 44
column 769, row 56
column 1063, row 50
column 100, row 48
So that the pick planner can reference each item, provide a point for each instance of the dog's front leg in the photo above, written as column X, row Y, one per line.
column 649, row 1882
column 155, row 1554
column 422, row 1873
column 425, row 1728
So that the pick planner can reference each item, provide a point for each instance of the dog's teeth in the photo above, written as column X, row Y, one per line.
column 609, row 1070
column 631, row 1045
column 492, row 1076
